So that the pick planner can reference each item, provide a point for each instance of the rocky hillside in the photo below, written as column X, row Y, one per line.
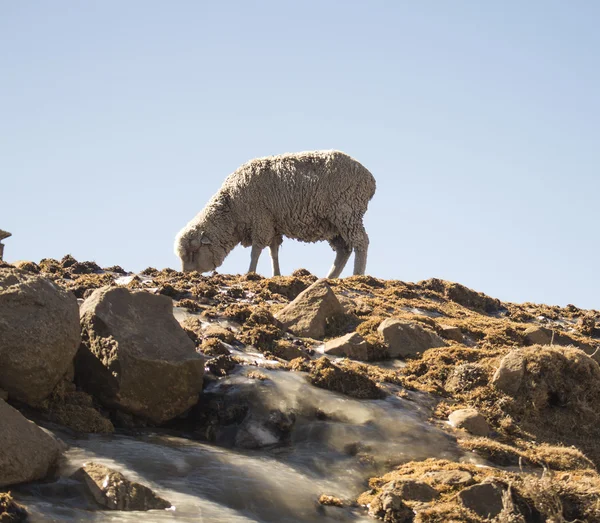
column 516, row 385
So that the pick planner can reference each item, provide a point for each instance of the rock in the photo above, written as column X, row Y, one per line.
column 390, row 508
column 40, row 333
column 221, row 365
column 451, row 477
column 330, row 501
column 261, row 430
column 412, row 490
column 485, row 499
column 286, row 350
column 544, row 336
column 469, row 420
column 536, row 335
column 509, row 375
column 311, row 310
column 450, row 332
column 112, row 490
column 27, row 452
column 406, row 338
column 463, row 295
column 351, row 345
column 326, row 375
column 135, row 355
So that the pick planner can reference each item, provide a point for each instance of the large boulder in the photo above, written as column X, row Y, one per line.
column 351, row 345
column 39, row 334
column 509, row 375
column 135, row 356
column 407, row 338
column 311, row 311
column 111, row 490
column 27, row 452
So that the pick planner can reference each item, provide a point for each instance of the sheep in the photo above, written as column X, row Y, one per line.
column 309, row 196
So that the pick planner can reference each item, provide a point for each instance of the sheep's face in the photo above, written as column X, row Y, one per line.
column 198, row 254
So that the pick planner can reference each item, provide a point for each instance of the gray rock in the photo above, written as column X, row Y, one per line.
column 405, row 338
column 39, row 333
column 469, row 420
column 113, row 491
column 412, row 490
column 389, row 507
column 309, row 313
column 135, row 355
column 27, row 452
column 509, row 375
column 451, row 477
column 351, row 345
column 451, row 332
column 485, row 499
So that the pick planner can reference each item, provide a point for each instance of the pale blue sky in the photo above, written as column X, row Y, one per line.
column 479, row 120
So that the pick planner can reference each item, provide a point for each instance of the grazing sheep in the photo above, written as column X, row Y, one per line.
column 308, row 196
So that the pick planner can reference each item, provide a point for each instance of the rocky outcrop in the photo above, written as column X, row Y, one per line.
column 27, row 452
column 469, row 420
column 135, row 356
column 309, row 314
column 407, row 338
column 509, row 375
column 111, row 490
column 39, row 329
column 485, row 499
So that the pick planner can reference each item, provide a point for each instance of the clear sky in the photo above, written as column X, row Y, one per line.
column 479, row 120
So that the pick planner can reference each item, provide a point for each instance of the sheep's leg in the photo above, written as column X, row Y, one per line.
column 274, row 248
column 360, row 261
column 342, row 253
column 254, row 255
column 361, row 245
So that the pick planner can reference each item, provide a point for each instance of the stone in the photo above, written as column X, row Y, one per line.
column 509, row 375
column 351, row 345
column 40, row 333
column 537, row 335
column 27, row 452
column 469, row 420
column 407, row 338
column 412, row 490
column 135, row 356
column 485, row 499
column 311, row 310
column 389, row 507
column 451, row 477
column 450, row 332
column 221, row 365
column 286, row 350
column 112, row 490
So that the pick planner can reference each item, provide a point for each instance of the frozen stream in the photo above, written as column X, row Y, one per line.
column 334, row 446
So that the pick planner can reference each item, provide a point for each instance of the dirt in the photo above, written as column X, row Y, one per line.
column 551, row 423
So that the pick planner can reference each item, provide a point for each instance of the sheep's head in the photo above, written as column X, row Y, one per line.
column 198, row 252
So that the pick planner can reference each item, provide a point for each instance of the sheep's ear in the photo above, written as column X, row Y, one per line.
column 195, row 243
column 204, row 240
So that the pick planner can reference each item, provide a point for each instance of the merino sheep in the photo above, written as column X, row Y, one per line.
column 309, row 196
